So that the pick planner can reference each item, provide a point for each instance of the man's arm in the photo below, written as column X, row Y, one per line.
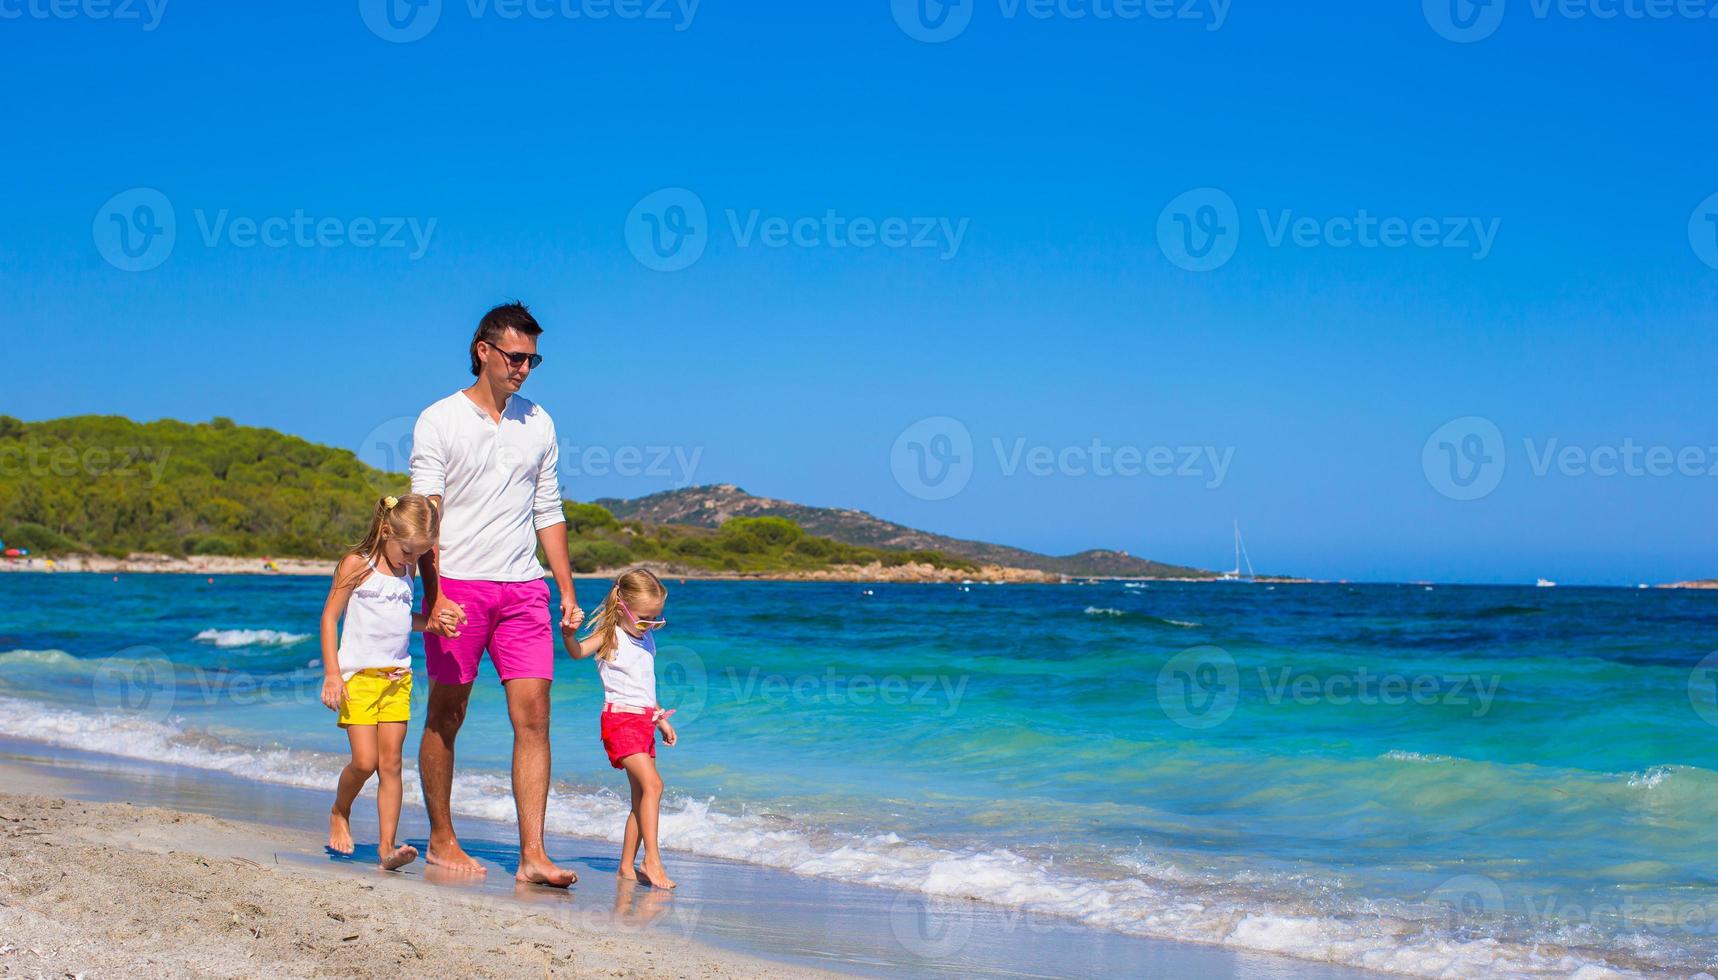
column 549, row 517
column 554, row 541
column 429, row 478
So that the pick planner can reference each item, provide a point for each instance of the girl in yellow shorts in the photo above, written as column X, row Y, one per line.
column 367, row 671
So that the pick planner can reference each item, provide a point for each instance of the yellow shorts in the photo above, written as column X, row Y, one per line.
column 372, row 698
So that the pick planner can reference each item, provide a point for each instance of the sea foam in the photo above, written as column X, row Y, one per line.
column 1143, row 896
column 250, row 638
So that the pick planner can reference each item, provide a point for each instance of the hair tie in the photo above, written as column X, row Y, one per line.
column 390, row 502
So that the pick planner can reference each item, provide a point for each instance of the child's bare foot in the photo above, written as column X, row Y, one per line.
column 400, row 857
column 339, row 832
column 654, row 876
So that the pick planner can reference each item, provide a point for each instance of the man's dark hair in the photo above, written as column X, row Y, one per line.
column 495, row 323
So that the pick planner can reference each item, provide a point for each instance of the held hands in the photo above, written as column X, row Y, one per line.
column 571, row 615
column 446, row 618
column 333, row 692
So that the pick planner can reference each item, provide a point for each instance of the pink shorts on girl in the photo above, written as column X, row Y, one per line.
column 625, row 734
column 510, row 619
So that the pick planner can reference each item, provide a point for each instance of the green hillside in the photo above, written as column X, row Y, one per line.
column 108, row 485
column 711, row 506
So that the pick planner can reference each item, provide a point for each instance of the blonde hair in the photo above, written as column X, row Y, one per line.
column 407, row 516
column 633, row 586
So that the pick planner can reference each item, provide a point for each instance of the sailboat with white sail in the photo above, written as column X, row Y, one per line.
column 1240, row 556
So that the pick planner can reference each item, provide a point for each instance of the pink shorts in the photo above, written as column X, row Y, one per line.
column 511, row 619
column 627, row 734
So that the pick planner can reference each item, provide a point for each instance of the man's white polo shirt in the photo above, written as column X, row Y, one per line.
column 496, row 481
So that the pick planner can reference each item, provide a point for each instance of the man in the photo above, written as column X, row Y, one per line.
column 486, row 457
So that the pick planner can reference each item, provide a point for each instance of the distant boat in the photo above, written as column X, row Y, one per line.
column 1240, row 555
column 1546, row 583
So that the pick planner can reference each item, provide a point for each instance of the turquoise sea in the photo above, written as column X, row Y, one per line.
column 1433, row 781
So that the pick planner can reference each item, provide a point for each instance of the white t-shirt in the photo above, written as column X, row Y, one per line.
column 377, row 629
column 497, row 485
column 630, row 678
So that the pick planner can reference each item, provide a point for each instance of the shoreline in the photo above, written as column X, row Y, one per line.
column 224, row 565
column 220, row 866
column 911, row 573
column 168, row 892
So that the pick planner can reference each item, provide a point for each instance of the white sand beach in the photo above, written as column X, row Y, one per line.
column 206, row 875
column 93, row 889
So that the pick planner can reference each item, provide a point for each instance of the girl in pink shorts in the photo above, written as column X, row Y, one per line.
column 620, row 640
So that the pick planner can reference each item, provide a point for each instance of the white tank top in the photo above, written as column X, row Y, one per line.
column 630, row 678
column 377, row 631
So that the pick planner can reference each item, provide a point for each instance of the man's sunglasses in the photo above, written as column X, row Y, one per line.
column 643, row 624
column 517, row 359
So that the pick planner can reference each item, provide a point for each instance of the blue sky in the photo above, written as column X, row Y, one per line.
column 1563, row 159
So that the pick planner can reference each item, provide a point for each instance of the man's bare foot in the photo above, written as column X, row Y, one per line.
column 453, row 857
column 400, row 857
column 544, row 873
column 654, row 876
column 339, row 832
